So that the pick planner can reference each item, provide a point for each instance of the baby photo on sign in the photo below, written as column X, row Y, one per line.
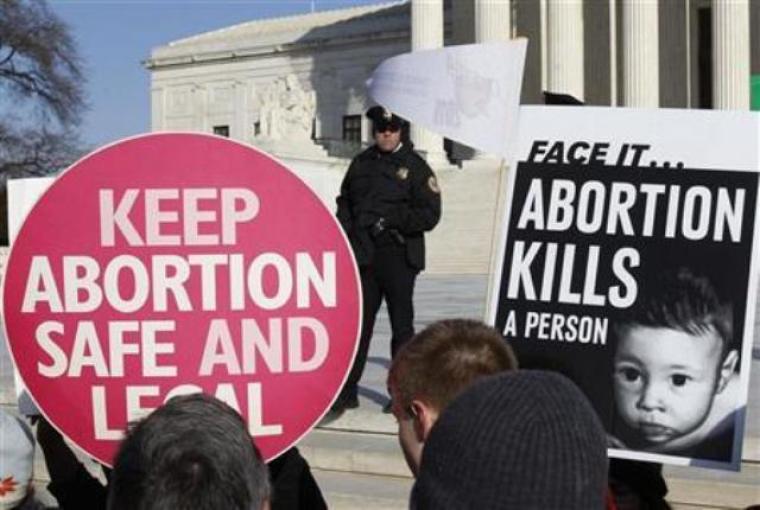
column 675, row 379
column 628, row 261
column 642, row 302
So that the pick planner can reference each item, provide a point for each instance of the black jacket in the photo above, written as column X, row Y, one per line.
column 389, row 196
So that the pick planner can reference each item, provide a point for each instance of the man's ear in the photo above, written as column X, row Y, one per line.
column 727, row 369
column 424, row 416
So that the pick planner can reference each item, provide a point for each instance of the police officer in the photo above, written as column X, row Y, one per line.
column 388, row 199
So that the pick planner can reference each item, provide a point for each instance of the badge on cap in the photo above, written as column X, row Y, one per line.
column 387, row 115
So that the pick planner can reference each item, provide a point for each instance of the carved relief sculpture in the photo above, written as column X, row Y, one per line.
column 287, row 110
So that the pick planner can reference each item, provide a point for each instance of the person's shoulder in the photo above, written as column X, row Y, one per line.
column 413, row 159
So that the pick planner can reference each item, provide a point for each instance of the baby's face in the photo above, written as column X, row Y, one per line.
column 665, row 381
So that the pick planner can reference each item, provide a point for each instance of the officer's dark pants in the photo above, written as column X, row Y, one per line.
column 390, row 277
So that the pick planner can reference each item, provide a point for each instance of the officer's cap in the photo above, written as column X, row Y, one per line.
column 382, row 118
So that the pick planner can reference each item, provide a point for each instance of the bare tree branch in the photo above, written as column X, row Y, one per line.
column 8, row 57
column 41, row 94
column 42, row 64
column 36, row 153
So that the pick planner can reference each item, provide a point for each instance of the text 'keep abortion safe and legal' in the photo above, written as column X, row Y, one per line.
column 145, row 294
column 581, row 213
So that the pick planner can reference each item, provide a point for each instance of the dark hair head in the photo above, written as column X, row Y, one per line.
column 194, row 452
column 685, row 302
column 519, row 439
column 445, row 358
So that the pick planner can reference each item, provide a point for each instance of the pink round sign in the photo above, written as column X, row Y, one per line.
column 177, row 263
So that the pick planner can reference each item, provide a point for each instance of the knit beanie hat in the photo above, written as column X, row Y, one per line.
column 522, row 440
column 16, row 459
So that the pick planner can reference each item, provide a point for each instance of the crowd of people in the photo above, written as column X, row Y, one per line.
column 476, row 431
column 194, row 452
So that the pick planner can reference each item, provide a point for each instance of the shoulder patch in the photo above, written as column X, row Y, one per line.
column 433, row 184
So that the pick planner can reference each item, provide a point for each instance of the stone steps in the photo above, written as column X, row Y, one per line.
column 349, row 491
column 357, row 461
column 375, row 458
column 367, row 470
column 355, row 452
column 702, row 488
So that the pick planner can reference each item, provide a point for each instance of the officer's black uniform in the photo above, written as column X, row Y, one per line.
column 386, row 202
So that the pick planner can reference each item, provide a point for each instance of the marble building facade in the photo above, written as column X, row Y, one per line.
column 301, row 78
column 295, row 86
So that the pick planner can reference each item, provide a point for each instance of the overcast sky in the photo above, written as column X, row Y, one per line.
column 115, row 36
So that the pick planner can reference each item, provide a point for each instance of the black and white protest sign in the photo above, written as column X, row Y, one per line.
column 628, row 262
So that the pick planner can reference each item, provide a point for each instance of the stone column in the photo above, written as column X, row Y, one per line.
column 493, row 20
column 239, row 129
column 157, row 109
column 641, row 55
column 565, row 52
column 200, row 108
column 730, row 48
column 427, row 34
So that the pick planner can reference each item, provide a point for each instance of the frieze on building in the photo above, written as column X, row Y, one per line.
column 286, row 111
